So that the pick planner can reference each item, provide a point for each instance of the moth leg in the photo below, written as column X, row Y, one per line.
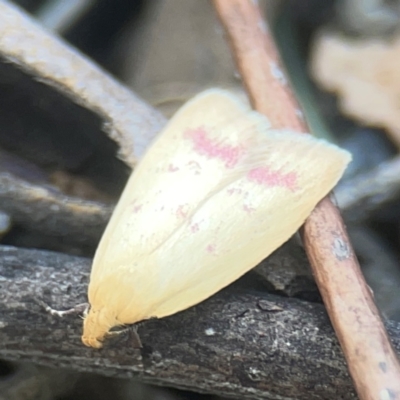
column 133, row 335
column 78, row 309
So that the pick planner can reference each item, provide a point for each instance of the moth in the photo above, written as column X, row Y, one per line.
column 215, row 194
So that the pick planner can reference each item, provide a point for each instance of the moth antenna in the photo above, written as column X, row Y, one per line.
column 118, row 332
column 133, row 334
column 78, row 309
column 85, row 311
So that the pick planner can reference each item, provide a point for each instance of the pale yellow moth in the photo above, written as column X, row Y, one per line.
column 215, row 194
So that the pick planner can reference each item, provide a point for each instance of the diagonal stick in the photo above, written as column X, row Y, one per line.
column 371, row 359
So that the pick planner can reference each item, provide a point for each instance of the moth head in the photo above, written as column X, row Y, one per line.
column 96, row 324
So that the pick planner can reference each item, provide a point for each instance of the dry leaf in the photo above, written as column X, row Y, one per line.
column 365, row 76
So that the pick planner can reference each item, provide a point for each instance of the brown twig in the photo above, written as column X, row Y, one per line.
column 372, row 362
column 128, row 120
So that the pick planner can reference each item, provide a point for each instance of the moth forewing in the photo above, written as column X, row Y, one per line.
column 216, row 193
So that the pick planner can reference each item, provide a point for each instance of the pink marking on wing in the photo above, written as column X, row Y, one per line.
column 194, row 227
column 210, row 248
column 272, row 178
column 248, row 209
column 137, row 208
column 172, row 168
column 182, row 211
column 210, row 147
column 232, row 191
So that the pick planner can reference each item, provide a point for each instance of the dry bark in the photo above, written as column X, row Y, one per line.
column 241, row 343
